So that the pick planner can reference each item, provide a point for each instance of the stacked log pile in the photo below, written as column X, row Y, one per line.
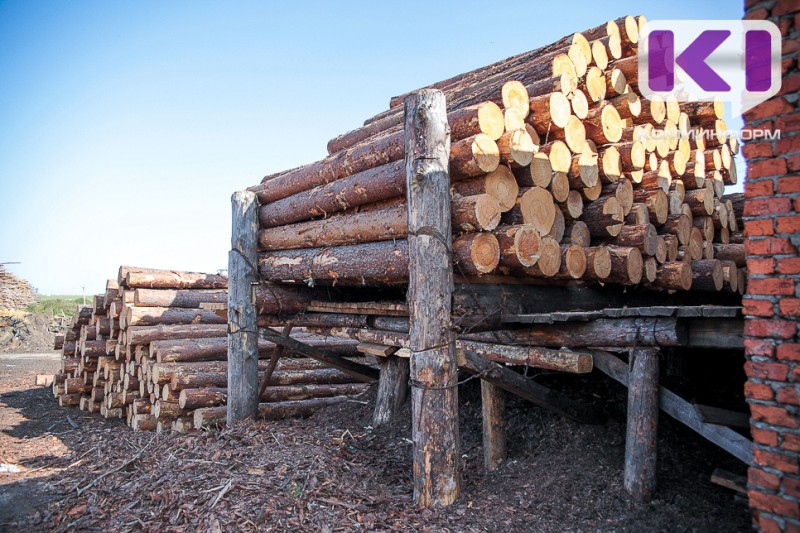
column 15, row 294
column 153, row 350
column 561, row 174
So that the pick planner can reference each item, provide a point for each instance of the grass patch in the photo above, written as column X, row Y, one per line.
column 57, row 305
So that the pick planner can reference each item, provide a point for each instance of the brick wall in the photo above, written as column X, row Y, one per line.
column 772, row 302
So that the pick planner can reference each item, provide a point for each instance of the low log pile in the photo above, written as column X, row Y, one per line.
column 153, row 350
column 561, row 174
column 15, row 294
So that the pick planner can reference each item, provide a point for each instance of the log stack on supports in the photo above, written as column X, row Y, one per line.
column 560, row 174
column 151, row 350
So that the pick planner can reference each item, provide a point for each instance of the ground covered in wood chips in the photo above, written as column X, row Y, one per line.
column 333, row 472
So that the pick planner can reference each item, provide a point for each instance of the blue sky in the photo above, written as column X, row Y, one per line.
column 126, row 126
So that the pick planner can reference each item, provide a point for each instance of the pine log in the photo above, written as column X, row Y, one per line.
column 643, row 236
column 501, row 184
column 213, row 416
column 172, row 279
column 178, row 298
column 707, row 275
column 603, row 218
column 476, row 254
column 626, row 265
column 601, row 332
column 137, row 335
column 360, row 264
column 152, row 316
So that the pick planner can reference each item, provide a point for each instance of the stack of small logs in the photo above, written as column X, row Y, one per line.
column 562, row 174
column 153, row 350
column 15, row 293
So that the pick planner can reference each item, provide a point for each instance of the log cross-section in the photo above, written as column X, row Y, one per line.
column 434, row 372
column 242, row 317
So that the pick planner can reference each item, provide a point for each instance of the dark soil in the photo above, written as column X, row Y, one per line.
column 333, row 472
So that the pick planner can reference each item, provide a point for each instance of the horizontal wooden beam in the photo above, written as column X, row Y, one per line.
column 358, row 371
column 681, row 410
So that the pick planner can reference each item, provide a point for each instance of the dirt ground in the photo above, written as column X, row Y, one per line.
column 333, row 472
column 29, row 332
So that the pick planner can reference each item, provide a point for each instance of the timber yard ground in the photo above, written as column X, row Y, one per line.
column 333, row 472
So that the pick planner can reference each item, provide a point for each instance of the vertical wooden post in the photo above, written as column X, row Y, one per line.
column 392, row 389
column 434, row 372
column 640, row 443
column 493, row 407
column 242, row 327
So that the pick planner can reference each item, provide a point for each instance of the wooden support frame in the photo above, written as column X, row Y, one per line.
column 640, row 442
column 434, row 373
column 392, row 389
column 242, row 316
column 681, row 410
column 493, row 408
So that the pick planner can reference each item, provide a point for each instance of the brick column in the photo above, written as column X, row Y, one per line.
column 771, row 305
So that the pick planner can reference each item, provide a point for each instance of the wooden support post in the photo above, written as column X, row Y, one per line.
column 494, row 425
column 242, row 328
column 640, row 443
column 434, row 372
column 392, row 389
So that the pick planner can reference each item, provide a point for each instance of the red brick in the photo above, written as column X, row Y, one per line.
column 765, row 437
column 793, row 162
column 789, row 224
column 771, row 286
column 786, row 65
column 790, row 306
column 797, row 21
column 785, row 6
column 773, row 504
column 766, row 369
column 789, row 351
column 758, row 149
column 785, row 25
column 789, row 265
column 758, row 391
column 796, row 374
column 757, row 14
column 777, row 461
column 789, row 47
column 784, row 145
column 788, row 124
column 789, row 184
column 763, row 126
column 796, row 204
column 791, row 486
column 790, row 85
column 766, row 167
column 759, row 228
column 791, row 442
column 791, row 527
column 769, row 246
column 773, row 107
column 777, row 416
column 760, row 266
column 759, row 478
column 758, row 188
column 759, row 347
column 767, row 525
column 758, row 308
column 779, row 329
column 754, row 208
column 789, row 394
